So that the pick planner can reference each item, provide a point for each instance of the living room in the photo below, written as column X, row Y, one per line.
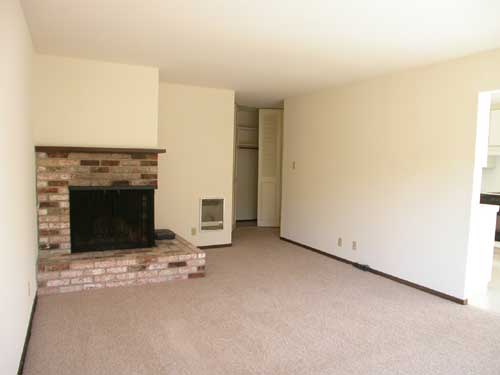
column 119, row 121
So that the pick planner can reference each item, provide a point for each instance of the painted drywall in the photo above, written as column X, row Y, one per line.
column 93, row 103
column 390, row 163
column 196, row 126
column 17, row 186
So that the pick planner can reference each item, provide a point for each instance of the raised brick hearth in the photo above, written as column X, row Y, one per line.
column 168, row 260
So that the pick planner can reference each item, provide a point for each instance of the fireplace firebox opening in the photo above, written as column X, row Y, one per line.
column 110, row 218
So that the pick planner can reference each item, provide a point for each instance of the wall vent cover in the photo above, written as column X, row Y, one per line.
column 212, row 214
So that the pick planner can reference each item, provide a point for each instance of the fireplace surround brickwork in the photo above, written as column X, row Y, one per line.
column 57, row 170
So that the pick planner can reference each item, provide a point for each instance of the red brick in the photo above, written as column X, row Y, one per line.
column 147, row 259
column 58, row 282
column 120, row 183
column 105, row 263
column 48, row 190
column 71, row 273
column 48, row 232
column 116, row 269
column 82, row 280
column 89, row 162
column 44, row 276
column 126, row 262
column 48, row 204
column 145, row 156
column 52, row 246
column 104, row 278
column 94, row 272
column 126, row 276
column 149, row 176
column 99, row 170
column 110, row 163
column 149, row 163
column 196, row 275
column 82, row 265
column 142, row 274
column 177, row 264
column 60, row 155
column 58, row 183
column 57, row 267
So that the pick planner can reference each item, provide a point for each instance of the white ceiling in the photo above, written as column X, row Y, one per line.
column 266, row 50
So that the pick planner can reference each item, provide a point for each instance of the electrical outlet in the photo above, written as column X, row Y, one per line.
column 339, row 242
column 193, row 231
column 293, row 165
column 355, row 245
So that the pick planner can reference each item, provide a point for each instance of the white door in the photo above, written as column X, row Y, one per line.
column 269, row 181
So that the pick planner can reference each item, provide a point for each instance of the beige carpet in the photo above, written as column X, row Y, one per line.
column 266, row 307
column 491, row 299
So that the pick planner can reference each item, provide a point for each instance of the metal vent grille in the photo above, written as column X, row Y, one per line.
column 212, row 214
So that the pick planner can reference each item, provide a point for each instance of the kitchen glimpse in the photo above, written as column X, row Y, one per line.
column 490, row 197
column 490, row 188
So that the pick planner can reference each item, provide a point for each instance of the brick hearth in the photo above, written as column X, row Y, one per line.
column 169, row 260
column 59, row 270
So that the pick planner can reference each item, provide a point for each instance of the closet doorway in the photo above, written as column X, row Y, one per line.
column 257, row 182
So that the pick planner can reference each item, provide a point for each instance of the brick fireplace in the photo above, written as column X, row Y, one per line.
column 61, row 168
column 124, row 179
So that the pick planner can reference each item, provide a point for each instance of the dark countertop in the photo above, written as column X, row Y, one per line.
column 490, row 198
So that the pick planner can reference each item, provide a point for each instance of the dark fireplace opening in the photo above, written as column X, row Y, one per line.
column 107, row 218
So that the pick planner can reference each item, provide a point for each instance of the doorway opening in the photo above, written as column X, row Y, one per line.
column 483, row 268
column 257, row 166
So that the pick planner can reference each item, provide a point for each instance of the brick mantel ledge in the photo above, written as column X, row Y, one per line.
column 115, row 150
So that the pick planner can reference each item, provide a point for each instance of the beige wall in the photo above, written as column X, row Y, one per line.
column 196, row 126
column 390, row 163
column 92, row 103
column 17, row 220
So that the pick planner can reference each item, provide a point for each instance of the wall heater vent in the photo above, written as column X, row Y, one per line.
column 211, row 214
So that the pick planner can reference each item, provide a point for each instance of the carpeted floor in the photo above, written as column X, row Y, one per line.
column 491, row 299
column 265, row 307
